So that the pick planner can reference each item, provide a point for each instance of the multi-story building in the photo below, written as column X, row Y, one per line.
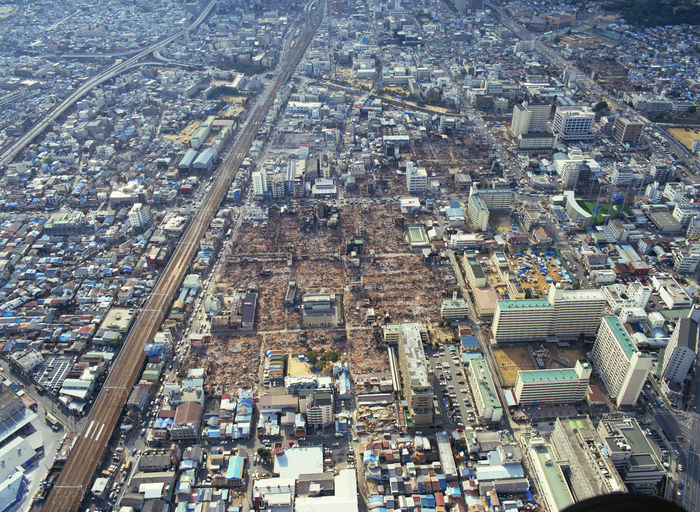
column 496, row 199
column 140, row 216
column 478, row 212
column 573, row 123
column 630, row 452
column 627, row 131
column 554, row 386
column 318, row 407
column 529, row 126
column 416, row 179
column 620, row 365
column 488, row 406
column 563, row 314
column 473, row 271
column 259, row 179
column 693, row 230
column 682, row 348
column 686, row 261
column 454, row 309
column 684, row 212
column 418, row 390
column 530, row 117
column 576, row 444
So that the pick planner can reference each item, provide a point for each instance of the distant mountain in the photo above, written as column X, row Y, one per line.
column 651, row 13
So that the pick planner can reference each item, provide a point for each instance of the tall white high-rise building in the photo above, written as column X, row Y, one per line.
column 530, row 117
column 682, row 348
column 140, row 216
column 622, row 368
column 573, row 123
column 416, row 178
column 259, row 179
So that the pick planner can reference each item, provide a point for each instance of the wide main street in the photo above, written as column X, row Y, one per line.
column 88, row 451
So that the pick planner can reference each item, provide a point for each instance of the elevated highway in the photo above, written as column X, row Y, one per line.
column 50, row 117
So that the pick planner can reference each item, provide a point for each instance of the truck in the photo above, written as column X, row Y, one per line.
column 52, row 421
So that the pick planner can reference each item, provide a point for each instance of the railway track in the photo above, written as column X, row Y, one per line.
column 76, row 476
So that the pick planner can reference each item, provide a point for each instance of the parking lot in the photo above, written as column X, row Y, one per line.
column 451, row 388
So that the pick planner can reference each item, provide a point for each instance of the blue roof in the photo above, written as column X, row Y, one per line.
column 235, row 468
column 469, row 341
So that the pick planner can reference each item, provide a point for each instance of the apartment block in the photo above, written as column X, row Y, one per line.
column 563, row 314
column 418, row 390
column 553, row 386
column 622, row 368
column 478, row 213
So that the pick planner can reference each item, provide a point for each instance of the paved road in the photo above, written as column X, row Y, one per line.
column 50, row 117
column 88, row 451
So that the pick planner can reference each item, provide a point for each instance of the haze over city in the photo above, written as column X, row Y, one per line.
column 349, row 255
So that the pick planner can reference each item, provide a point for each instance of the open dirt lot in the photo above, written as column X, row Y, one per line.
column 572, row 353
column 510, row 360
column 685, row 135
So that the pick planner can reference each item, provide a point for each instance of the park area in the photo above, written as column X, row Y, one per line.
column 510, row 361
column 601, row 211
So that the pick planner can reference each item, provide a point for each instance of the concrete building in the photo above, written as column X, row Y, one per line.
column 478, row 212
column 140, row 216
column 530, row 117
column 622, row 368
column 576, row 446
column 529, row 126
column 488, row 406
column 576, row 213
column 564, row 314
column 555, row 386
column 627, row 131
column 259, row 179
column 500, row 199
column 186, row 422
column 679, row 354
column 473, row 271
column 573, row 123
column 454, row 309
column 416, row 179
column 417, row 388
column 547, row 474
column 630, row 452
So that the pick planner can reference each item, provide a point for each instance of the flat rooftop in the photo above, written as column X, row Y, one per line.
column 555, row 375
column 524, row 304
column 486, row 387
column 412, row 345
column 623, row 339
column 555, row 480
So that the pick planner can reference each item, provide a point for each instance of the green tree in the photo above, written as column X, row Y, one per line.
column 263, row 453
column 601, row 106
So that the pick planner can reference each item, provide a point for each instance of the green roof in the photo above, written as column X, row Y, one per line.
column 555, row 478
column 524, row 304
column 623, row 339
column 554, row 375
column 488, row 390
